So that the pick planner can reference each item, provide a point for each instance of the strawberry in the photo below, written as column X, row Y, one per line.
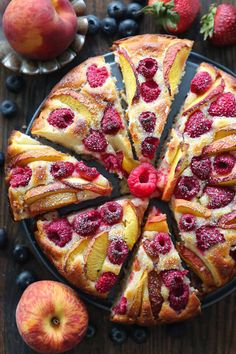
column 219, row 24
column 175, row 16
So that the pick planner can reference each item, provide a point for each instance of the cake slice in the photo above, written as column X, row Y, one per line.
column 41, row 178
column 83, row 113
column 89, row 247
column 152, row 67
column 157, row 289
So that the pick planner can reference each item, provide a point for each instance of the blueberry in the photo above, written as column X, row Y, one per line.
column 21, row 253
column 94, row 24
column 25, row 278
column 91, row 331
column 3, row 238
column 8, row 108
column 109, row 25
column 128, row 28
column 14, row 83
column 134, row 11
column 118, row 334
column 143, row 2
column 116, row 9
column 1, row 158
column 140, row 334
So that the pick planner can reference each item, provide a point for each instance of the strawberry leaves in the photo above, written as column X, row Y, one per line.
column 164, row 14
column 207, row 22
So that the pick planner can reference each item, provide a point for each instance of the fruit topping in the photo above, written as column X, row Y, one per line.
column 187, row 222
column 134, row 11
column 140, row 334
column 87, row 223
column 20, row 176
column 25, row 278
column 61, row 118
column 121, row 307
column 61, row 169
column 149, row 146
column 201, row 82
column 113, row 163
column 224, row 163
column 95, row 141
column 148, row 121
column 173, row 277
column 219, row 197
column 208, row 236
column 128, row 28
column 116, row 9
column 142, row 180
column 197, row 125
column 154, row 289
column 96, row 76
column 178, row 297
column 201, row 167
column 109, row 26
column 8, row 108
column 187, row 188
column 161, row 244
column 94, row 24
column 150, row 91
column 106, row 282
column 111, row 122
column 91, row 331
column 3, row 238
column 111, row 213
column 2, row 158
column 59, row 232
column 14, row 83
column 118, row 334
column 224, row 106
column 86, row 172
column 147, row 67
column 21, row 253
column 232, row 252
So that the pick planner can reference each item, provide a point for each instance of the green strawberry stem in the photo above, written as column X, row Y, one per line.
column 164, row 14
column 207, row 22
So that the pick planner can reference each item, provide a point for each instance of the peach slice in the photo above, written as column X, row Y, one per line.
column 228, row 221
column 52, row 202
column 229, row 180
column 75, row 254
column 131, row 224
column 96, row 255
column 39, row 154
column 137, row 300
column 187, row 207
column 129, row 164
column 156, row 223
column 222, row 132
column 81, row 184
column 222, row 145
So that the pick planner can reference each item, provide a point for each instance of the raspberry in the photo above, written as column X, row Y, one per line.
column 20, row 177
column 197, row 125
column 147, row 67
column 224, row 106
column 208, row 236
column 121, row 307
column 173, row 277
column 150, row 91
column 178, row 297
column 148, row 121
column 86, row 172
column 111, row 213
column 142, row 180
column 162, row 242
column 61, row 118
column 187, row 188
column 105, row 282
column 154, row 290
column 113, row 163
column 232, row 252
column 201, row 82
column 111, row 121
column 224, row 163
column 187, row 222
column 149, row 146
column 219, row 196
column 87, row 223
column 150, row 248
column 59, row 232
column 95, row 141
column 117, row 251
column 62, row 169
column 201, row 167
column 96, row 76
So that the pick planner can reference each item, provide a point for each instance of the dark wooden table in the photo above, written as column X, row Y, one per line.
column 214, row 332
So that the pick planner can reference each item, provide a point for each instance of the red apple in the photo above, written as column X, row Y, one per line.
column 40, row 29
column 50, row 317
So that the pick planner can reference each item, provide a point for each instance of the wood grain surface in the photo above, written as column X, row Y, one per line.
column 214, row 332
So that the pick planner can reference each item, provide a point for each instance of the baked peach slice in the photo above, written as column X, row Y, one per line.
column 156, row 222
column 186, row 207
column 225, row 144
column 224, row 131
column 227, row 221
column 229, row 180
column 131, row 224
column 137, row 300
column 101, row 185
column 52, row 202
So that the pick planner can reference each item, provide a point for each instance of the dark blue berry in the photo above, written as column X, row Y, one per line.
column 1, row 158
column 140, row 334
column 8, row 108
column 128, row 28
column 25, row 278
column 3, row 238
column 14, row 83
column 109, row 25
column 21, row 253
column 134, row 11
column 91, row 331
column 143, row 2
column 118, row 334
column 94, row 24
column 117, row 10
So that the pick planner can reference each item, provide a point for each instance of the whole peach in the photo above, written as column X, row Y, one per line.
column 50, row 317
column 40, row 29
